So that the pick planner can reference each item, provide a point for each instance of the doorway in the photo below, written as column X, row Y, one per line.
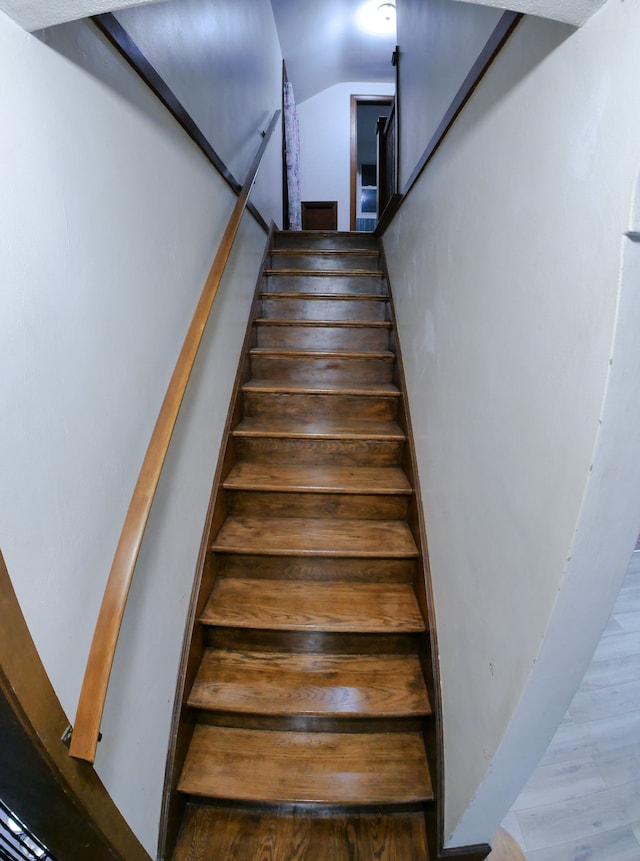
column 365, row 111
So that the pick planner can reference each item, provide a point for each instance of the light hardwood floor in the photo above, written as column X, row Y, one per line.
column 582, row 803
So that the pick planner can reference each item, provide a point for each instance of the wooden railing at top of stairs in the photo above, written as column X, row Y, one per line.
column 86, row 729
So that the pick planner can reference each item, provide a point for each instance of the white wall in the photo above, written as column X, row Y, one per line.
column 109, row 221
column 451, row 38
column 220, row 58
column 325, row 144
column 521, row 351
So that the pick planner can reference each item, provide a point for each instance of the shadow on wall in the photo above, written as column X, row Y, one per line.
column 535, row 53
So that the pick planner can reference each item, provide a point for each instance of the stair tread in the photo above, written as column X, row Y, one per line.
column 283, row 477
column 321, row 388
column 319, row 429
column 319, row 324
column 316, row 537
column 344, row 273
column 327, row 252
column 291, row 352
column 303, row 605
column 323, row 297
column 326, row 768
column 276, row 683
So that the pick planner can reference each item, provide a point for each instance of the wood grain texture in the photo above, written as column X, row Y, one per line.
column 316, row 325
column 316, row 606
column 340, row 369
column 324, row 307
column 323, row 334
column 102, row 651
column 339, row 427
column 325, row 239
column 325, row 387
column 284, row 281
column 338, row 251
column 317, row 568
column 305, row 406
column 325, row 261
column 342, row 506
column 271, row 683
column 233, row 835
column 311, row 692
column 317, row 768
column 173, row 803
column 330, row 452
column 318, row 479
column 311, row 537
column 338, row 274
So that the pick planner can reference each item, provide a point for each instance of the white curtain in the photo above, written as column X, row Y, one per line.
column 292, row 149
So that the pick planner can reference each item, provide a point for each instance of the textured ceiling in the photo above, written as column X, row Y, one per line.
column 36, row 14
column 321, row 40
column 323, row 45
column 574, row 12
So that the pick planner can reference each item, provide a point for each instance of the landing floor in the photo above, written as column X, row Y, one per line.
column 582, row 803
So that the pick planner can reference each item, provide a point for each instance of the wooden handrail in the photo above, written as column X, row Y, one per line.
column 96, row 678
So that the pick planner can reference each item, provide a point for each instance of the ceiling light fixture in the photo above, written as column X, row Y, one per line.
column 377, row 19
column 387, row 11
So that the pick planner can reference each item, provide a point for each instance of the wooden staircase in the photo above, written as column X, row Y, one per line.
column 307, row 729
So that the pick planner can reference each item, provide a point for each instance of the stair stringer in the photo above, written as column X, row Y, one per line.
column 433, row 732
column 182, row 721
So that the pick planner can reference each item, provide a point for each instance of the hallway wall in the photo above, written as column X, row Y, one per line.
column 325, row 144
column 109, row 220
column 222, row 62
column 451, row 36
column 522, row 361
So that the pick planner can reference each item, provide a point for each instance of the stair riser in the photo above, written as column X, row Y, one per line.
column 319, row 451
column 299, row 239
column 312, row 407
column 310, row 642
column 223, row 833
column 323, row 337
column 325, row 262
column 302, row 723
column 313, row 701
column 334, row 371
column 304, row 811
column 329, row 284
column 318, row 568
column 339, row 505
column 284, row 308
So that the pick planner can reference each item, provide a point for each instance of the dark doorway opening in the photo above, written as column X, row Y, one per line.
column 365, row 111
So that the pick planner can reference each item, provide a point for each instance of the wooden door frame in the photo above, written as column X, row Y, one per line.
column 355, row 101
column 62, row 800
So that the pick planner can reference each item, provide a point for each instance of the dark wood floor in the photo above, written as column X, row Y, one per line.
column 309, row 708
column 231, row 835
